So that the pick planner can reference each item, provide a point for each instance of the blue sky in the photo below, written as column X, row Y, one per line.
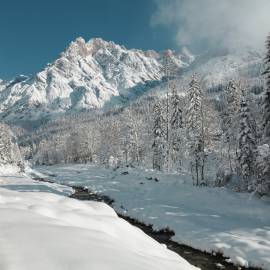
column 34, row 32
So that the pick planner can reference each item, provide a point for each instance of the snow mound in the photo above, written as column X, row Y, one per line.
column 48, row 231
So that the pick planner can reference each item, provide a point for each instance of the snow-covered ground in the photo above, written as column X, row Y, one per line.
column 12, row 179
column 238, row 225
column 48, row 231
column 42, row 230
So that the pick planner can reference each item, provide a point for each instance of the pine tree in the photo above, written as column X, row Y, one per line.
column 195, row 128
column 193, row 113
column 246, row 146
column 176, row 125
column 9, row 151
column 132, row 125
column 159, row 145
column 177, row 114
column 262, row 184
column 232, row 98
column 262, row 181
column 170, row 70
column 266, row 115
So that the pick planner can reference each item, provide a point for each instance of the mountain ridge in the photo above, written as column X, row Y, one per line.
column 93, row 74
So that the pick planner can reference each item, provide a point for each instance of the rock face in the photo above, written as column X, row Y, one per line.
column 98, row 73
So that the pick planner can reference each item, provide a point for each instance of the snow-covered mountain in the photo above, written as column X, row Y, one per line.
column 86, row 75
column 3, row 84
column 218, row 67
column 98, row 73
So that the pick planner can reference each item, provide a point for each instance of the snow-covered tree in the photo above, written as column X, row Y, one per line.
column 159, row 134
column 193, row 119
column 232, row 98
column 73, row 144
column 266, row 113
column 261, row 183
column 246, row 146
column 132, row 131
column 111, row 151
column 176, row 126
column 9, row 151
column 170, row 70
column 195, row 129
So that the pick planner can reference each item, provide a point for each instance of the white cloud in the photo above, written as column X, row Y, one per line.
column 218, row 22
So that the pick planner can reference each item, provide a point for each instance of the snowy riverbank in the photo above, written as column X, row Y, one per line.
column 237, row 225
column 42, row 230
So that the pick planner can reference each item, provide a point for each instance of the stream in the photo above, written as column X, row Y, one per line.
column 203, row 260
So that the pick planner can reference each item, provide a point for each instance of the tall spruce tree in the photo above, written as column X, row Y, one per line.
column 246, row 147
column 194, row 106
column 232, row 99
column 177, row 114
column 176, row 125
column 159, row 133
column 194, row 125
column 170, row 69
column 262, row 184
column 266, row 73
column 131, row 126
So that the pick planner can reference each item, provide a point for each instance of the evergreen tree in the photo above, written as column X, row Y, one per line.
column 131, row 129
column 159, row 145
column 266, row 115
column 193, row 113
column 9, row 151
column 170, row 70
column 176, row 125
column 262, row 181
column 177, row 114
column 262, row 184
column 195, row 128
column 232, row 98
column 246, row 147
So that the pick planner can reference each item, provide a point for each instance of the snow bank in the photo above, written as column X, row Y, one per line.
column 9, row 169
column 212, row 219
column 48, row 231
column 11, row 178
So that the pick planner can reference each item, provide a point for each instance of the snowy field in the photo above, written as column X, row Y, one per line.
column 212, row 219
column 42, row 230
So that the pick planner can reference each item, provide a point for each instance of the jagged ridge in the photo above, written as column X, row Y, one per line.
column 86, row 75
column 98, row 73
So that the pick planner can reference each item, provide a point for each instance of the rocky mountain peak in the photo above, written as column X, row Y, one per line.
column 101, row 73
column 77, row 48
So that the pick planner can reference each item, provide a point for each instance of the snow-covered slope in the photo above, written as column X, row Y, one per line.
column 98, row 73
column 47, row 231
column 86, row 75
column 219, row 67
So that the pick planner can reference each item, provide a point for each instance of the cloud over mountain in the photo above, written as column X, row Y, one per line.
column 228, row 23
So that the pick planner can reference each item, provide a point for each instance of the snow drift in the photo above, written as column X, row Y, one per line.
column 48, row 231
